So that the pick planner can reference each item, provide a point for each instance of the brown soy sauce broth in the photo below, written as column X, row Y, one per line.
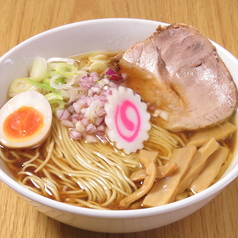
column 16, row 163
column 111, row 56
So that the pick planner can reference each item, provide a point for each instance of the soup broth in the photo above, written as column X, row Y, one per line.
column 91, row 171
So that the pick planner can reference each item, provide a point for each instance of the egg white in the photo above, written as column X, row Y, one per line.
column 29, row 99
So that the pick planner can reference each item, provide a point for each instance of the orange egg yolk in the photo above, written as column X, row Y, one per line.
column 23, row 122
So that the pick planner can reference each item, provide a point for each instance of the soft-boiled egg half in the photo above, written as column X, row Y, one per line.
column 25, row 120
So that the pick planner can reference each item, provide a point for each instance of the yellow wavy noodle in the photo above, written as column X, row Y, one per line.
column 89, row 175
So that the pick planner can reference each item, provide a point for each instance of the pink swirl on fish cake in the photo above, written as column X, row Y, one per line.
column 127, row 119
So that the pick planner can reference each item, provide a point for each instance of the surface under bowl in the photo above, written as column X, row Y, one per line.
column 73, row 39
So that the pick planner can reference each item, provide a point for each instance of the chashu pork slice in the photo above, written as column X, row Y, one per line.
column 179, row 73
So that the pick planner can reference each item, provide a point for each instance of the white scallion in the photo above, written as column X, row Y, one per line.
column 68, row 82
column 59, row 59
column 20, row 85
column 98, row 66
column 99, row 57
column 38, row 68
column 66, row 69
column 56, row 101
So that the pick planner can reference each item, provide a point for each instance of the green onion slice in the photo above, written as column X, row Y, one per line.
column 20, row 85
column 44, row 85
column 98, row 57
column 60, row 82
column 66, row 69
column 56, row 101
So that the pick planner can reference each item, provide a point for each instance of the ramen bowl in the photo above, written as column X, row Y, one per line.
column 93, row 35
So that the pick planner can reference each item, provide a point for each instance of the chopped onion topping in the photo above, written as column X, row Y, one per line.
column 62, row 114
column 110, row 71
column 113, row 75
column 85, row 116
column 161, row 113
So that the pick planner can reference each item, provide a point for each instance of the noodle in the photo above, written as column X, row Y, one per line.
column 47, row 158
column 86, row 174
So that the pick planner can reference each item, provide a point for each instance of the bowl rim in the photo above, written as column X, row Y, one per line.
column 115, row 214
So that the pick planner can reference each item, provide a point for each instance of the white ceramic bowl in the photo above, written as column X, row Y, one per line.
column 72, row 39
